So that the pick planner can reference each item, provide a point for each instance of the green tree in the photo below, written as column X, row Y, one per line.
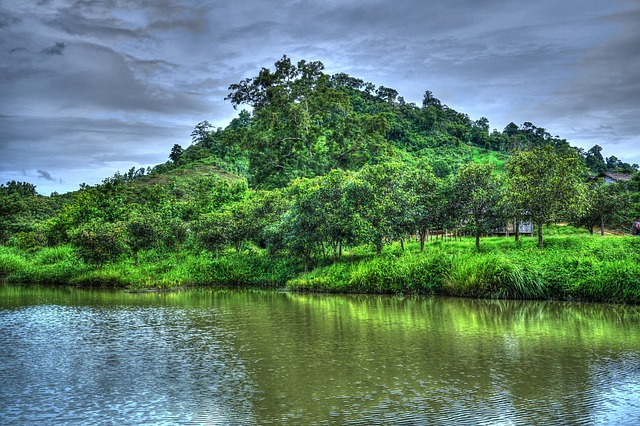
column 142, row 233
column 354, row 139
column 382, row 204
column 546, row 184
column 201, row 133
column 176, row 154
column 213, row 192
column 212, row 230
column 594, row 159
column 477, row 190
column 12, row 205
column 429, row 100
column 104, row 203
column 321, row 215
column 243, row 226
column 337, row 226
column 302, row 222
column 291, row 105
column 269, row 208
column 98, row 242
column 423, row 185
column 605, row 205
column 176, row 233
column 19, row 205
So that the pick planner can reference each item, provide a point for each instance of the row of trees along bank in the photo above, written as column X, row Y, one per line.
column 317, row 218
column 322, row 164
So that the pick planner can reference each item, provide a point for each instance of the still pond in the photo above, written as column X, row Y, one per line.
column 80, row 356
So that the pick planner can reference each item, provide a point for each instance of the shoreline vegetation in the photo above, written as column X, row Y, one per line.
column 316, row 188
column 570, row 267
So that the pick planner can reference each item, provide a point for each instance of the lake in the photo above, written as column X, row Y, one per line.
column 216, row 356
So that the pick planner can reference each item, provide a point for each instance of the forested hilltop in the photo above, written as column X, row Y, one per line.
column 327, row 182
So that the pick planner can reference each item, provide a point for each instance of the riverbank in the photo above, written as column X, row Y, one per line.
column 574, row 267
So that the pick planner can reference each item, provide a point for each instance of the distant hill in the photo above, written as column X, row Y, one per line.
column 304, row 123
column 296, row 121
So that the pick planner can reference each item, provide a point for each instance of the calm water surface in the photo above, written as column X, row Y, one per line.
column 78, row 356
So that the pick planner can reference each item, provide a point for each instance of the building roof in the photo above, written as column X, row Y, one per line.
column 611, row 177
column 617, row 176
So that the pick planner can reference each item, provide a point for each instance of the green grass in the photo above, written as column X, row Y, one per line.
column 483, row 156
column 185, row 177
column 390, row 273
column 11, row 261
column 570, row 267
column 494, row 275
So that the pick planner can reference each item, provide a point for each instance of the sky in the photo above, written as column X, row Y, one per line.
column 92, row 87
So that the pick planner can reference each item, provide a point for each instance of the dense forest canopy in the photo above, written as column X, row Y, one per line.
column 316, row 163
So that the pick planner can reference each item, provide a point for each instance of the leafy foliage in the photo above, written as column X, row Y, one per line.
column 98, row 242
column 325, row 174
column 544, row 184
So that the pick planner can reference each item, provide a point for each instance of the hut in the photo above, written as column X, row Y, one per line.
column 611, row 177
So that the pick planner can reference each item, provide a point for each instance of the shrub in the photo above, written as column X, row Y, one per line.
column 98, row 242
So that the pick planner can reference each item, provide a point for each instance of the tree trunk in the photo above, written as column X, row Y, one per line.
column 602, row 226
column 539, row 226
column 423, row 236
column 477, row 241
column 402, row 243
column 307, row 259
column 517, row 223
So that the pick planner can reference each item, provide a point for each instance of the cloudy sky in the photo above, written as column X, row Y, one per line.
column 91, row 87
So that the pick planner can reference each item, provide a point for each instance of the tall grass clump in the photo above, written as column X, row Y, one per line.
column 617, row 281
column 11, row 262
column 255, row 268
column 593, row 269
column 493, row 275
column 606, row 281
column 409, row 273
column 50, row 265
column 421, row 273
column 55, row 265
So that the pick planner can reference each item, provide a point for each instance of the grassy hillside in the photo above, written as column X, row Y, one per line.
column 186, row 177
column 326, row 185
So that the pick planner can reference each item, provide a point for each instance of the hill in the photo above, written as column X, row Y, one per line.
column 315, row 174
column 304, row 123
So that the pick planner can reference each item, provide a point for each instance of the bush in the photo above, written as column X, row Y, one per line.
column 98, row 242
column 29, row 241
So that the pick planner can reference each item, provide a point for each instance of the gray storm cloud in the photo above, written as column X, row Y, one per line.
column 43, row 174
column 90, row 88
column 56, row 49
